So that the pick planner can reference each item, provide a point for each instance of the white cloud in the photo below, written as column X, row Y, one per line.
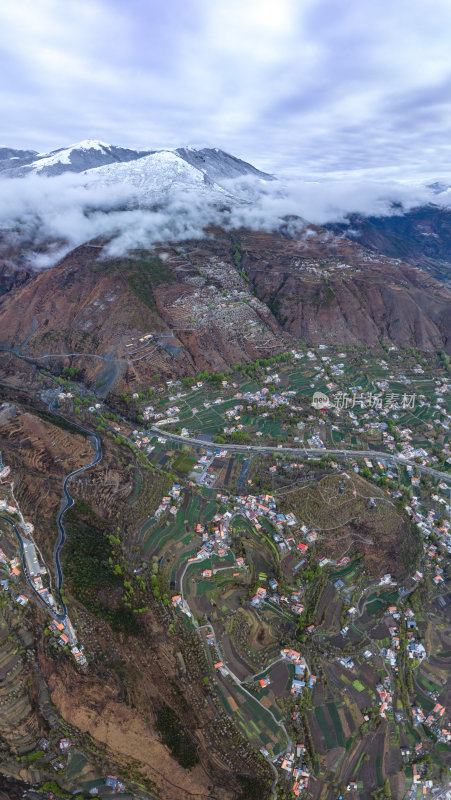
column 54, row 215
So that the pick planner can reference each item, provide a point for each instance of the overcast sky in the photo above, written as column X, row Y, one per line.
column 315, row 86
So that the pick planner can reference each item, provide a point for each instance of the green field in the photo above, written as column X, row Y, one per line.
column 256, row 722
column 136, row 490
column 379, row 771
column 346, row 571
column 375, row 606
column 319, row 714
column 76, row 763
column 184, row 464
column 164, row 532
column 332, row 708
column 431, row 687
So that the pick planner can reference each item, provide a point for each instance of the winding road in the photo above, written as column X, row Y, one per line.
column 95, row 439
column 69, row 502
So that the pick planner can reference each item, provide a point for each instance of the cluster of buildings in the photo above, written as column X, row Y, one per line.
column 264, row 505
column 4, row 469
column 415, row 649
column 142, row 441
column 435, row 554
column 433, row 561
column 168, row 417
column 34, row 572
column 65, row 634
column 112, row 784
column 433, row 721
column 179, row 602
column 316, row 441
column 170, row 502
column 63, row 630
column 262, row 399
column 385, row 696
column 293, row 602
column 5, row 506
column 216, row 541
column 298, row 683
column 259, row 597
column 202, row 470
column 12, row 565
column 345, row 661
column 295, row 768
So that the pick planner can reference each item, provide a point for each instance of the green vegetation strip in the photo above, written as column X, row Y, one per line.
column 175, row 736
column 319, row 713
column 336, row 723
column 136, row 490
column 379, row 771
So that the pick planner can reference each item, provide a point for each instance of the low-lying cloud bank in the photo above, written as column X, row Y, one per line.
column 53, row 215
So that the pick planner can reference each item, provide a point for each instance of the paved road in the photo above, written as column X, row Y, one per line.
column 61, row 531
column 299, row 451
column 24, row 564
column 70, row 502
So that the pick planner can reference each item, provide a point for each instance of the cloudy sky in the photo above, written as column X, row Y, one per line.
column 312, row 86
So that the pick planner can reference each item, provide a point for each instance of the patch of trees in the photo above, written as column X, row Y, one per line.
column 384, row 793
column 445, row 359
column 70, row 372
column 54, row 419
column 240, row 437
column 92, row 569
column 253, row 787
column 174, row 736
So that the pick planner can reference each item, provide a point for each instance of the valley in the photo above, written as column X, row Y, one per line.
column 292, row 595
column 225, row 483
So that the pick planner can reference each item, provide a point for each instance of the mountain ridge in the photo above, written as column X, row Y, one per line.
column 421, row 236
column 214, row 302
column 92, row 153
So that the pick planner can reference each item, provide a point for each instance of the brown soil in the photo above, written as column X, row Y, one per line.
column 292, row 287
column 91, row 709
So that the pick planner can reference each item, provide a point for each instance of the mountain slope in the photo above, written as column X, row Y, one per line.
column 153, row 174
column 212, row 164
column 421, row 237
column 218, row 301
column 77, row 158
column 195, row 317
column 328, row 289
column 219, row 165
column 10, row 158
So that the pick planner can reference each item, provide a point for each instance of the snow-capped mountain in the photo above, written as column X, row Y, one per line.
column 218, row 165
column 11, row 159
column 164, row 173
column 79, row 157
column 153, row 173
column 196, row 165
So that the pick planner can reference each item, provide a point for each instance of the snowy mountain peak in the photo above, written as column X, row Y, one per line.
column 88, row 154
column 191, row 165
column 11, row 158
column 218, row 164
column 86, row 144
column 153, row 175
column 78, row 157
